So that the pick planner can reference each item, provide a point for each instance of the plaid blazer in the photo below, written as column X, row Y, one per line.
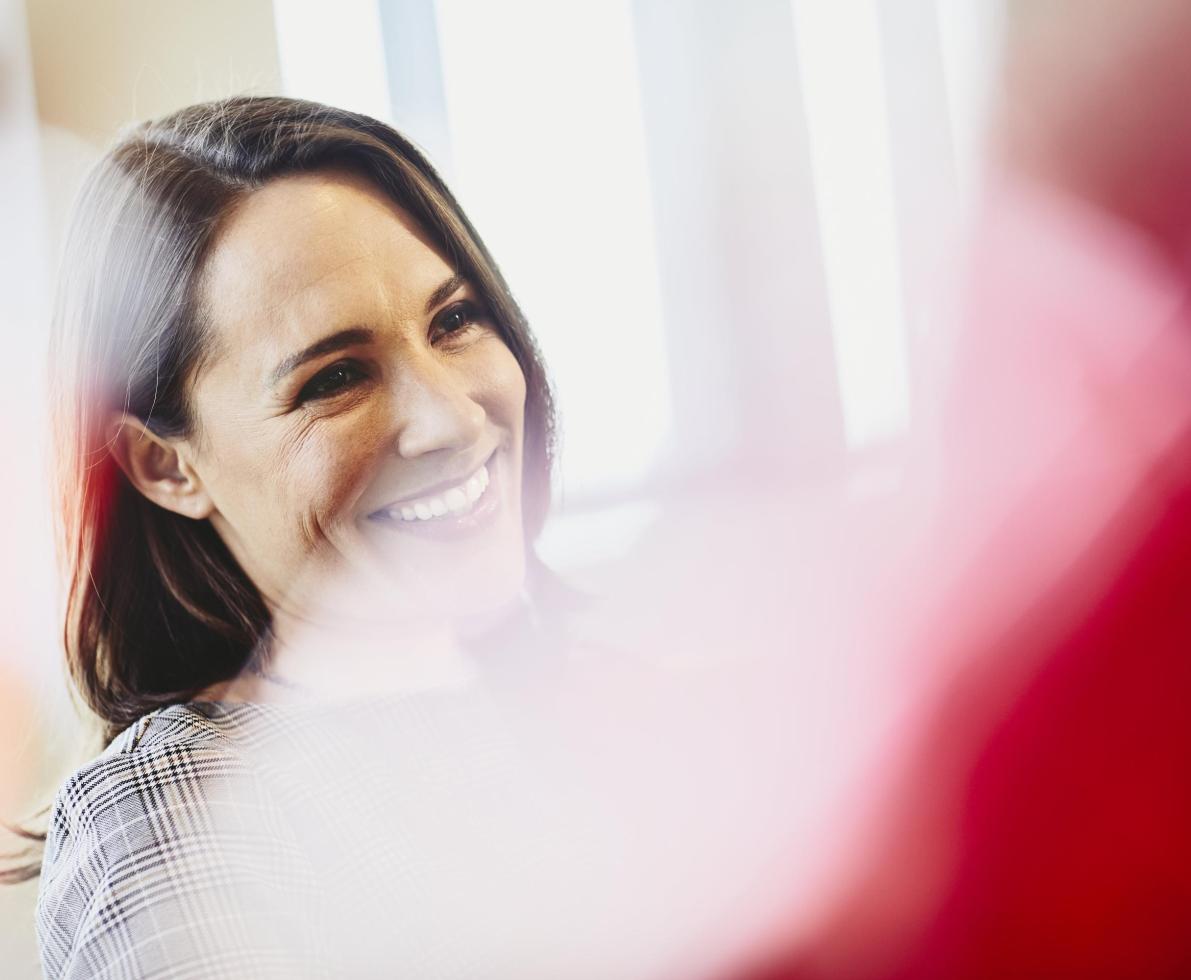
column 529, row 825
column 222, row 839
column 228, row 839
column 164, row 854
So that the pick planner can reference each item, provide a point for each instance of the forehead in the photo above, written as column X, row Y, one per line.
column 310, row 253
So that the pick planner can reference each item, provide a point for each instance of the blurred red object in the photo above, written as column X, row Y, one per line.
column 1041, row 826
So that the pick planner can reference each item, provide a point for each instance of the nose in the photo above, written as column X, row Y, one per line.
column 434, row 409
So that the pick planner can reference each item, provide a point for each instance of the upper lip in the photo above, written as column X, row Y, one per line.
column 437, row 488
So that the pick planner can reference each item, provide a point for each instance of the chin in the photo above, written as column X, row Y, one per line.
column 464, row 584
column 484, row 590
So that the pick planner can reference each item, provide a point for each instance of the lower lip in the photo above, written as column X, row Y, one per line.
column 452, row 527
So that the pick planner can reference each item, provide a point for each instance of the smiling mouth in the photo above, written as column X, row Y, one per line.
column 449, row 505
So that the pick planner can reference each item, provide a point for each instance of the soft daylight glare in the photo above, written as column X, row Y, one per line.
column 594, row 303
column 338, row 60
column 839, row 58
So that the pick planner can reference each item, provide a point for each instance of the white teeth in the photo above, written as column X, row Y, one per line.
column 457, row 500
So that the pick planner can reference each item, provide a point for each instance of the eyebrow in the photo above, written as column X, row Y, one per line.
column 336, row 341
column 443, row 292
column 356, row 335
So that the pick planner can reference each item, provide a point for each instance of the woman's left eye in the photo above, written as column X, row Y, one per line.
column 456, row 319
column 338, row 377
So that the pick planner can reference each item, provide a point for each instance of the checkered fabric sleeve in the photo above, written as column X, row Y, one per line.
column 167, row 858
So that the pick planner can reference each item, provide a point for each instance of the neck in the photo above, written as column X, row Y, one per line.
column 323, row 656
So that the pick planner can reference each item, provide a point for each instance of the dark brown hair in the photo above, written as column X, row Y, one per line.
column 157, row 609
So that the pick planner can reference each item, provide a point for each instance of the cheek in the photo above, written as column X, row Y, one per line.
column 503, row 397
column 504, row 390
column 323, row 472
column 287, row 494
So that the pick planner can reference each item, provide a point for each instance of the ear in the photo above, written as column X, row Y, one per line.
column 158, row 468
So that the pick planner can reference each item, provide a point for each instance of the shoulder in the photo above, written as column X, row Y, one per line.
column 209, row 724
column 158, row 747
column 169, row 758
column 168, row 825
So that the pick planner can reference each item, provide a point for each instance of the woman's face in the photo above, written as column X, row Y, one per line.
column 360, row 420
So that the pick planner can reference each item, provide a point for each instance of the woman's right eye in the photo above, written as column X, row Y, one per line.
column 332, row 381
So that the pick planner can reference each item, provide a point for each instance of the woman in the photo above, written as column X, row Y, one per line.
column 305, row 439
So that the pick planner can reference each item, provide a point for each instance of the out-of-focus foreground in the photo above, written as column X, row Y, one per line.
column 890, row 529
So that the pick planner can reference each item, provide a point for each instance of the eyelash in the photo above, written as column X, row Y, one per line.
column 466, row 308
column 316, row 388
